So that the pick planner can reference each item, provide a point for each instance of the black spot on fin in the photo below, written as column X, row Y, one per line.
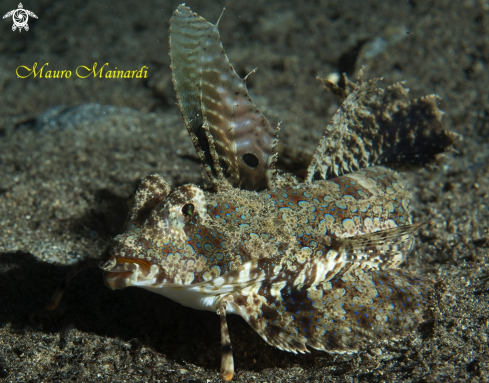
column 234, row 141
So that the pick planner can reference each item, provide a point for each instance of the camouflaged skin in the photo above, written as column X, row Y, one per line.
column 308, row 262
column 285, row 260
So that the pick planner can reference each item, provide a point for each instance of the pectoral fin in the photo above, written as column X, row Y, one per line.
column 382, row 249
column 341, row 314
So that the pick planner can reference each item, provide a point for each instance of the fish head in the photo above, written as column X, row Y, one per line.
column 159, row 242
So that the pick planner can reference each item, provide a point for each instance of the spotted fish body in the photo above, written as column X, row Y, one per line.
column 283, row 259
column 307, row 263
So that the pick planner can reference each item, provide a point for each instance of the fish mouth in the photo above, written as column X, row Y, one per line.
column 120, row 273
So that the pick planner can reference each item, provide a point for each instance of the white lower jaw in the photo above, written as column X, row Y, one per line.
column 144, row 282
column 193, row 296
column 189, row 296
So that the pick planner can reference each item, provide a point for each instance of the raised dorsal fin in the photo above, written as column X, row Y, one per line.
column 233, row 139
column 376, row 126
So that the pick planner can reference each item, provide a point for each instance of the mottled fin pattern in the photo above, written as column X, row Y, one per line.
column 352, row 295
column 383, row 249
column 233, row 139
column 376, row 126
column 341, row 314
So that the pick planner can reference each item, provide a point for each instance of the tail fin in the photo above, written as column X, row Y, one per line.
column 376, row 126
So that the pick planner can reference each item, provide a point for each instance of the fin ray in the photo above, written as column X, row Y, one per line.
column 384, row 248
column 376, row 126
column 342, row 314
column 235, row 142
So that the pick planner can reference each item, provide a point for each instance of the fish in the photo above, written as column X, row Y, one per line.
column 308, row 262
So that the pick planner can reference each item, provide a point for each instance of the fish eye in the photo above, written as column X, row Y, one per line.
column 188, row 209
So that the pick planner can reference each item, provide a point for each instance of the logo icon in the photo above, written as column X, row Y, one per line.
column 20, row 17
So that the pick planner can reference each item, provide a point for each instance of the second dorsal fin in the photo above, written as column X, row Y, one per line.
column 233, row 139
column 376, row 126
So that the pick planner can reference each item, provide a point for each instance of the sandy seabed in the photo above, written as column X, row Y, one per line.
column 72, row 150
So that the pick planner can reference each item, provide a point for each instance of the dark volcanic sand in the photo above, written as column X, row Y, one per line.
column 65, row 174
